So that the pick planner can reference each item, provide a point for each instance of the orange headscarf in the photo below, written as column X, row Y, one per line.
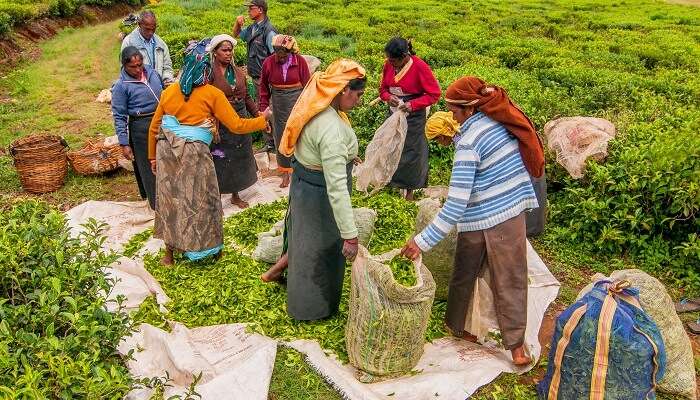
column 494, row 102
column 316, row 97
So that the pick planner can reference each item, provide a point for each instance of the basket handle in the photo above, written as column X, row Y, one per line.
column 64, row 143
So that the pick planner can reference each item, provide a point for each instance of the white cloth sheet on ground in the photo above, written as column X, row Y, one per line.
column 234, row 364
column 450, row 369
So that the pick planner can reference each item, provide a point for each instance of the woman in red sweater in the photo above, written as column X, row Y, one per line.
column 284, row 75
column 409, row 83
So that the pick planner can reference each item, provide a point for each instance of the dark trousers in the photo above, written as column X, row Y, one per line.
column 138, row 140
column 502, row 249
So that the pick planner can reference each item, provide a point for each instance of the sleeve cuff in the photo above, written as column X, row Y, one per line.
column 349, row 234
column 422, row 244
column 123, row 140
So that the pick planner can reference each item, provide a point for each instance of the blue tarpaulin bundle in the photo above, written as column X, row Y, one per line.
column 604, row 347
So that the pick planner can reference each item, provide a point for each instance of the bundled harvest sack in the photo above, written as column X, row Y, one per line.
column 440, row 259
column 270, row 243
column 575, row 139
column 680, row 369
column 604, row 347
column 386, row 324
column 383, row 154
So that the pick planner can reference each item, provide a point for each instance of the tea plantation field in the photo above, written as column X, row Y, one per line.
column 635, row 63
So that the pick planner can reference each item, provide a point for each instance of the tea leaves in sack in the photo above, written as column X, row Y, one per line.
column 439, row 259
column 383, row 154
column 655, row 300
column 386, row 326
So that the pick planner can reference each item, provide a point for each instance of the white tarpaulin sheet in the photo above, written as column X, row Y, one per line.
column 234, row 364
column 450, row 369
column 133, row 282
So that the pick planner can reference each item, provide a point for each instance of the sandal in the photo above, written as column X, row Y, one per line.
column 694, row 327
column 688, row 305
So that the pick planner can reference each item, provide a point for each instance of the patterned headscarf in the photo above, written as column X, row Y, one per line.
column 286, row 41
column 196, row 71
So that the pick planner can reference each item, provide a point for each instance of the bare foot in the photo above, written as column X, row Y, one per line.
column 465, row 335
column 275, row 272
column 409, row 195
column 237, row 201
column 519, row 356
column 285, row 180
column 167, row 258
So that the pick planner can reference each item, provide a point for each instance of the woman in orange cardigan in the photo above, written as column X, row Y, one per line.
column 189, row 216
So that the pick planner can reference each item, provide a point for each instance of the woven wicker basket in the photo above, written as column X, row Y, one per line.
column 95, row 158
column 41, row 162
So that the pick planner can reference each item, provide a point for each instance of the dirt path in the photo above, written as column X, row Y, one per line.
column 56, row 94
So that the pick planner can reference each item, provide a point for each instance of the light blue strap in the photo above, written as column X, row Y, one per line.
column 187, row 132
column 198, row 255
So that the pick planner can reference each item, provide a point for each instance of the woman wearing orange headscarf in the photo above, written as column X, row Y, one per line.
column 496, row 151
column 320, row 229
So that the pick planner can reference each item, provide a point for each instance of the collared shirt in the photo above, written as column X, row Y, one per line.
column 150, row 48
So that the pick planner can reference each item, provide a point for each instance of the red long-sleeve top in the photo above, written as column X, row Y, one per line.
column 298, row 73
column 419, row 80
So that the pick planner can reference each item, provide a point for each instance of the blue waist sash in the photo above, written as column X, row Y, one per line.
column 187, row 132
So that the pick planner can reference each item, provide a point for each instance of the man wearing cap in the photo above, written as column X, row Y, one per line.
column 258, row 37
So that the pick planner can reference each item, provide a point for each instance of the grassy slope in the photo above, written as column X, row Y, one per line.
column 56, row 95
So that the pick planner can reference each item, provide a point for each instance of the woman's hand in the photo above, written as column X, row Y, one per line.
column 394, row 101
column 127, row 152
column 406, row 107
column 411, row 249
column 153, row 166
column 357, row 160
column 240, row 20
column 267, row 114
column 350, row 248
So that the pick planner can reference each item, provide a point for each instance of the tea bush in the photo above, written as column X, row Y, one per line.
column 634, row 63
column 57, row 340
column 16, row 12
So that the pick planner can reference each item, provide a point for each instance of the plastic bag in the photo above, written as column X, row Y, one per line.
column 575, row 139
column 440, row 259
column 383, row 154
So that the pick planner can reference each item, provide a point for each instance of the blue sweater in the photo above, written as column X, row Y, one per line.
column 489, row 182
column 133, row 97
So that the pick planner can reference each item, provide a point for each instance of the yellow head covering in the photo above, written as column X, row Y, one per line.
column 441, row 123
column 286, row 41
column 316, row 97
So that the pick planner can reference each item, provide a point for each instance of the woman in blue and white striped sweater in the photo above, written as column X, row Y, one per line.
column 496, row 151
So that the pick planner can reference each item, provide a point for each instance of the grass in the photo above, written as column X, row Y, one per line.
column 57, row 95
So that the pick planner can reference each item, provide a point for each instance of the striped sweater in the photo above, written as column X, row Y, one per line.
column 489, row 182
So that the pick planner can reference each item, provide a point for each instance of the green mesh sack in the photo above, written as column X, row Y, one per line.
column 440, row 259
column 386, row 326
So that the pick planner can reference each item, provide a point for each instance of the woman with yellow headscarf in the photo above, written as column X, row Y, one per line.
column 320, row 229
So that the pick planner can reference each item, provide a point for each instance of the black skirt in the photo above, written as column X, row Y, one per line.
column 282, row 102
column 316, row 262
column 234, row 160
column 412, row 172
column 138, row 140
